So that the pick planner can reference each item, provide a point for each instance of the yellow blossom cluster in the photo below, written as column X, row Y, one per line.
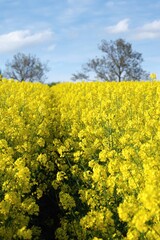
column 109, row 149
column 26, row 154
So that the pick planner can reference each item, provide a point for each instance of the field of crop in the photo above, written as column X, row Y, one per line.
column 92, row 149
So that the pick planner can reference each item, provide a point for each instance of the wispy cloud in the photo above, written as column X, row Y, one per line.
column 152, row 26
column 51, row 47
column 71, row 13
column 82, row 2
column 149, row 31
column 75, row 9
column 120, row 27
column 113, row 3
column 109, row 4
column 22, row 38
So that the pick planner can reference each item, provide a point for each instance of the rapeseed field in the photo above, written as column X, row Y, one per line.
column 95, row 146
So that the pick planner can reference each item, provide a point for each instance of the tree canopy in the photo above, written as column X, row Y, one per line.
column 26, row 68
column 119, row 62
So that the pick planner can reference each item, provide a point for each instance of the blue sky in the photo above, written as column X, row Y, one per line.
column 66, row 33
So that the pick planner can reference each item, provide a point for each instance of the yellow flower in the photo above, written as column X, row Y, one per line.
column 67, row 201
column 41, row 142
column 153, row 76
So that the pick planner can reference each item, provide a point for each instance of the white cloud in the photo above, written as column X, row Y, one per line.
column 18, row 39
column 149, row 31
column 121, row 26
column 141, row 35
column 152, row 26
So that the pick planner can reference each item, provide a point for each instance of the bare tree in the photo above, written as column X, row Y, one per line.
column 26, row 68
column 78, row 76
column 118, row 63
